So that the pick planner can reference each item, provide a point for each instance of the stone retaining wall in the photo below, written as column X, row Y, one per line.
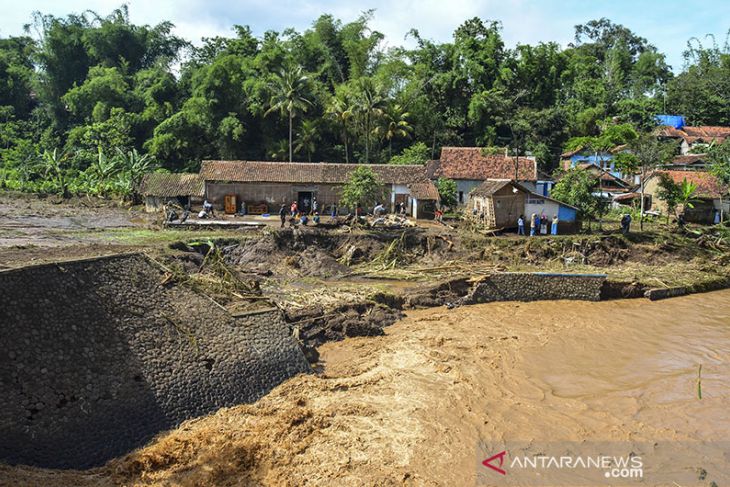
column 518, row 286
column 98, row 356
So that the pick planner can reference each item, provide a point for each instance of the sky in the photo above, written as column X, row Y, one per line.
column 667, row 24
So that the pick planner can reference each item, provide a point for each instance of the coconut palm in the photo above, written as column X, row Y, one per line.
column 307, row 138
column 279, row 151
column 341, row 110
column 394, row 125
column 289, row 96
column 369, row 105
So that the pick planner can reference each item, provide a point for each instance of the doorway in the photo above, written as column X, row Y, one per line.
column 304, row 201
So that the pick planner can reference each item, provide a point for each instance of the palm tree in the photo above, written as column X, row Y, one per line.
column 279, row 151
column 369, row 105
column 307, row 138
column 340, row 108
column 289, row 95
column 395, row 125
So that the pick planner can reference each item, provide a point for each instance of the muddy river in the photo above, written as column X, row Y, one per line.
column 445, row 390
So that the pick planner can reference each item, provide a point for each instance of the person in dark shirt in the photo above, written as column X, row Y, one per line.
column 282, row 215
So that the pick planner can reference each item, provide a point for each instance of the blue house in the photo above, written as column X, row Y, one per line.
column 603, row 159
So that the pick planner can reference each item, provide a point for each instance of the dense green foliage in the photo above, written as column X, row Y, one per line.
column 447, row 191
column 362, row 189
column 577, row 188
column 85, row 85
column 676, row 195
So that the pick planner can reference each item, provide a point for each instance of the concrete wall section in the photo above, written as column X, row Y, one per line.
column 276, row 194
column 98, row 356
column 517, row 286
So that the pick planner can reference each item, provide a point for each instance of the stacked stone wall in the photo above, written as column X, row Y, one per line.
column 98, row 356
column 536, row 286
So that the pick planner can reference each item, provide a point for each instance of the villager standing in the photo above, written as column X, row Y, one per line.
column 282, row 215
column 554, row 226
column 625, row 223
column 533, row 225
column 521, row 225
column 293, row 208
column 315, row 205
column 543, row 224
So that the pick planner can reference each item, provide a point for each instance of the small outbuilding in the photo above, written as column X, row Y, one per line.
column 158, row 189
column 500, row 202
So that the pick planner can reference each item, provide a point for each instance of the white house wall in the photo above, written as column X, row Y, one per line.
column 465, row 186
column 540, row 206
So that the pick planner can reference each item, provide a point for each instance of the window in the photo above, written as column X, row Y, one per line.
column 461, row 196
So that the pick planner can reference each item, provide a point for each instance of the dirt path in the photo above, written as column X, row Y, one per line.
column 412, row 407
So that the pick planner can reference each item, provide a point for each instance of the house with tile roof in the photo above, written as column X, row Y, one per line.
column 264, row 186
column 692, row 139
column 158, row 189
column 471, row 166
column 711, row 196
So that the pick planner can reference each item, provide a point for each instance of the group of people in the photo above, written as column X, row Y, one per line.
column 299, row 217
column 538, row 225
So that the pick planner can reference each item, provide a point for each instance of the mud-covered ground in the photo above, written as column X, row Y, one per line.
column 417, row 405
column 405, row 395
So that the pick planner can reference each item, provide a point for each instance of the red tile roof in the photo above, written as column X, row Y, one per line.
column 707, row 185
column 305, row 172
column 602, row 173
column 702, row 134
column 690, row 159
column 170, row 185
column 471, row 163
column 424, row 191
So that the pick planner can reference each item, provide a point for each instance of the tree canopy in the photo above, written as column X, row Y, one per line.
column 333, row 92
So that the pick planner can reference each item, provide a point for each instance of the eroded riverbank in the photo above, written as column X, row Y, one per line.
column 411, row 407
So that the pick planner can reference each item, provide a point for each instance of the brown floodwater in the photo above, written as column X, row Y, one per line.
column 443, row 389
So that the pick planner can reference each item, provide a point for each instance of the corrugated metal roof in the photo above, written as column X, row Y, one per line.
column 489, row 187
column 170, row 185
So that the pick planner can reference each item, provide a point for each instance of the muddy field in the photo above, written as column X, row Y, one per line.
column 411, row 407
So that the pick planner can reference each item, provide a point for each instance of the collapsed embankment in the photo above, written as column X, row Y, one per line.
column 97, row 356
column 300, row 269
